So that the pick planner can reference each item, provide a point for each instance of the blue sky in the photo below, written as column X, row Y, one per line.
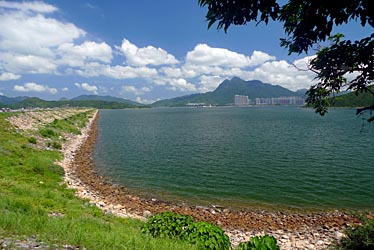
column 140, row 50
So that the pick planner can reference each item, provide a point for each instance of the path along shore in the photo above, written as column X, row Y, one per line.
column 293, row 230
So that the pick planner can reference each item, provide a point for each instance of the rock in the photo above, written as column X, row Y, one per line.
column 338, row 235
column 147, row 214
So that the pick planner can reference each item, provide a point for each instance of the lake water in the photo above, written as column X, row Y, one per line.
column 271, row 156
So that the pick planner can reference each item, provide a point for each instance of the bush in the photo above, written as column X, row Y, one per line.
column 360, row 237
column 32, row 140
column 265, row 242
column 54, row 145
column 167, row 224
column 207, row 236
column 176, row 226
column 49, row 133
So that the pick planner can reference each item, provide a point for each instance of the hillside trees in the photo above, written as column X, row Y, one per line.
column 307, row 24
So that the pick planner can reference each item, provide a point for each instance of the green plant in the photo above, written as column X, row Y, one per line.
column 265, row 242
column 32, row 140
column 54, row 145
column 207, row 236
column 167, row 224
column 49, row 133
column 360, row 237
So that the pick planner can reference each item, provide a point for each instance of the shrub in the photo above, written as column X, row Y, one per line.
column 167, row 224
column 54, row 145
column 360, row 237
column 265, row 242
column 207, row 236
column 49, row 133
column 32, row 140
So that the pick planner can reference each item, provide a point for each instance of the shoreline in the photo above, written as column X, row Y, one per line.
column 293, row 230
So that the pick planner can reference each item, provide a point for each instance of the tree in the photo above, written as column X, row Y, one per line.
column 307, row 24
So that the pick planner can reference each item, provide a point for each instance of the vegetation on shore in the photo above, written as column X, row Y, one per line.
column 34, row 202
column 34, row 102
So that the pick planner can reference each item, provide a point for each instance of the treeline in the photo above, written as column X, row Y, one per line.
column 34, row 102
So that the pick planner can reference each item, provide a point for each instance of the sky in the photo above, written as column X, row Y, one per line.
column 142, row 50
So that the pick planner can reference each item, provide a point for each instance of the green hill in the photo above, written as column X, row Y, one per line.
column 34, row 102
column 225, row 92
column 11, row 100
column 105, row 98
column 351, row 99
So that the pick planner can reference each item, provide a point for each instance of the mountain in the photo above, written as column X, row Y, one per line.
column 10, row 100
column 37, row 102
column 352, row 99
column 105, row 98
column 225, row 92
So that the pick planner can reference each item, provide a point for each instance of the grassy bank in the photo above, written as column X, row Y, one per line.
column 35, row 203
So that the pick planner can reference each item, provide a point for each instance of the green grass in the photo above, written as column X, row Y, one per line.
column 33, row 200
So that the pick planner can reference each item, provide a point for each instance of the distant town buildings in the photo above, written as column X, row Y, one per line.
column 241, row 100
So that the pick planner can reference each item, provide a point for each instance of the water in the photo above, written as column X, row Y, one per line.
column 271, row 156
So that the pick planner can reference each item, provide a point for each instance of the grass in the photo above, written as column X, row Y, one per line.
column 33, row 200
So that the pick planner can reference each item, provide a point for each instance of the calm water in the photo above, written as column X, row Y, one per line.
column 277, row 156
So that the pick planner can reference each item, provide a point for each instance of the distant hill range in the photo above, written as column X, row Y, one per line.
column 351, row 99
column 95, row 101
column 225, row 92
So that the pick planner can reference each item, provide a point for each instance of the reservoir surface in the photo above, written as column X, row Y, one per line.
column 238, row 157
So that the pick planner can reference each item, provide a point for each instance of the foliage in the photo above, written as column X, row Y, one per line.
column 167, row 224
column 307, row 24
column 33, row 203
column 265, row 242
column 182, row 227
column 54, row 145
column 49, row 133
column 358, row 238
column 207, row 236
column 100, row 104
column 32, row 140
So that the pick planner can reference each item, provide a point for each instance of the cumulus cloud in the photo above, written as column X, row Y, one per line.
column 37, row 34
column 65, row 89
column 204, row 55
column 6, row 76
column 76, row 55
column 145, row 56
column 40, row 7
column 34, row 87
column 95, row 69
column 87, row 87
column 23, row 64
column 134, row 90
column 145, row 101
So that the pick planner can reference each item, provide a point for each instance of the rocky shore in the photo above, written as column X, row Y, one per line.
column 293, row 230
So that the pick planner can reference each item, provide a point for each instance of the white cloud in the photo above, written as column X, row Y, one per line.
column 36, row 6
column 209, row 83
column 204, row 55
column 145, row 56
column 87, row 87
column 144, row 101
column 6, row 76
column 180, row 84
column 21, row 64
column 95, row 69
column 65, row 89
column 134, row 90
column 34, row 87
column 76, row 55
column 26, row 33
column 281, row 73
